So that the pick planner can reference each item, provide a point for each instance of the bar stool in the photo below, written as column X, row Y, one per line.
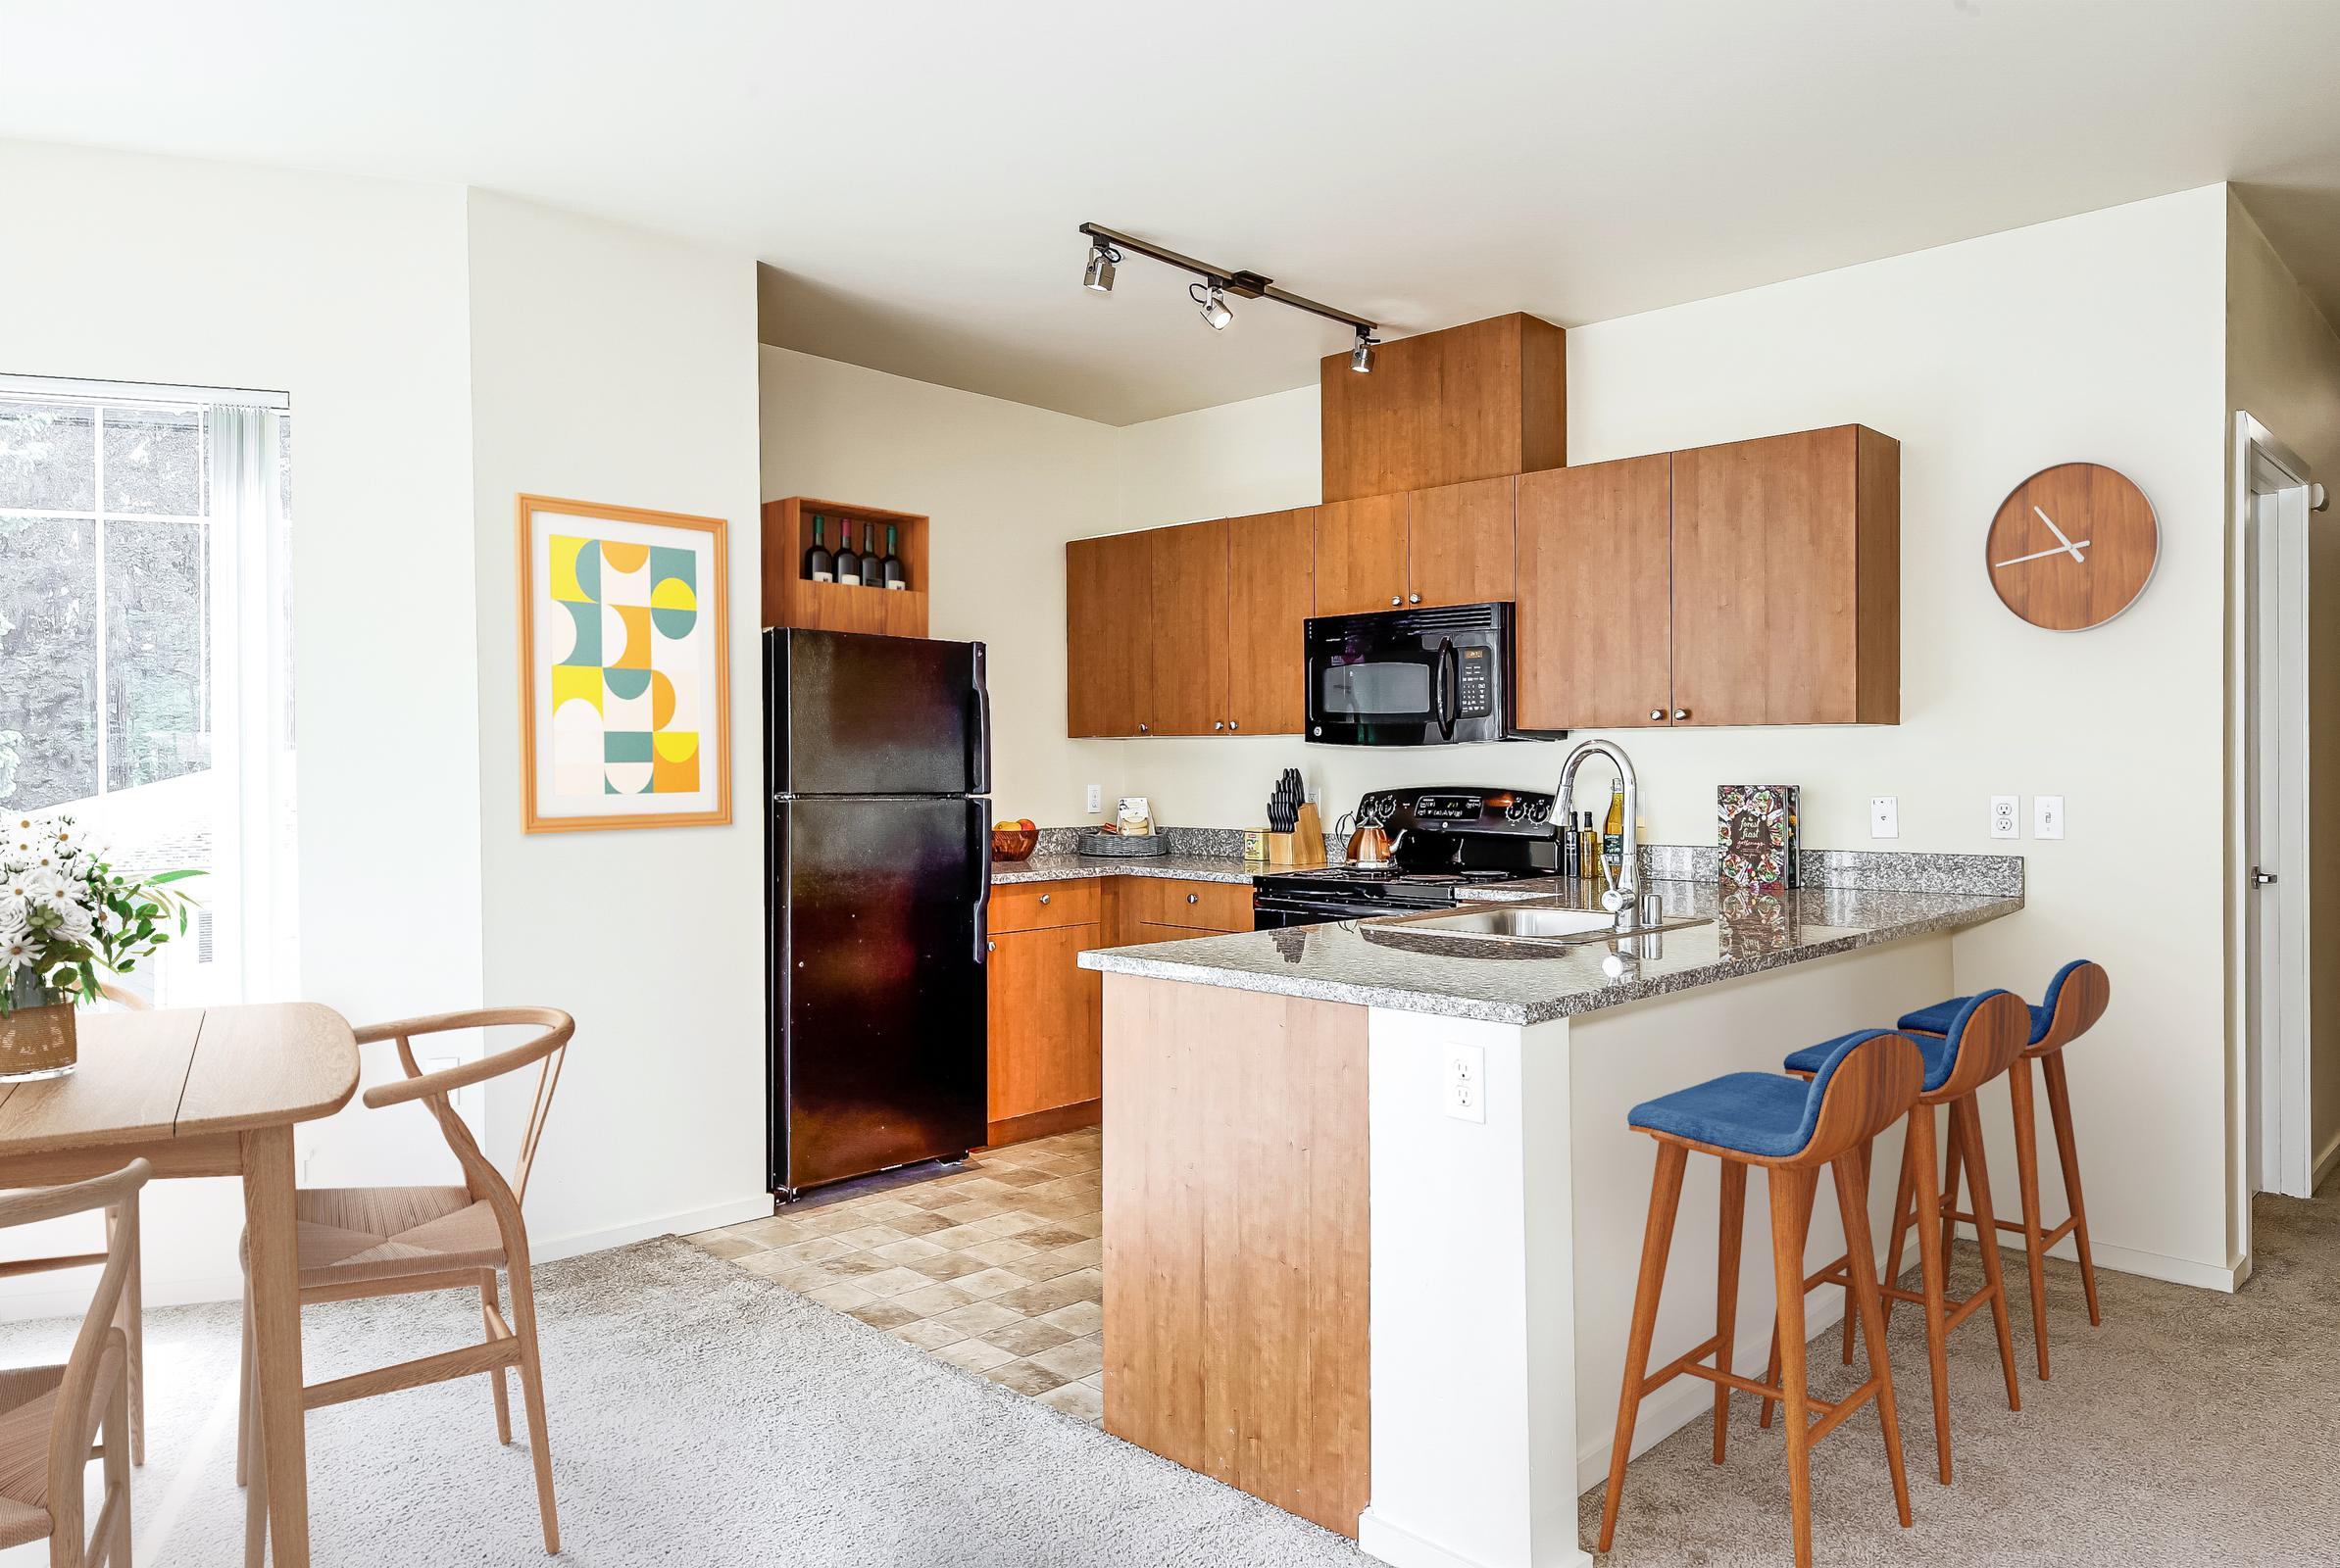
column 1867, row 1081
column 2077, row 998
column 1980, row 1040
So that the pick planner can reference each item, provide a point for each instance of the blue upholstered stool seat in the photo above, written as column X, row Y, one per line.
column 1756, row 1114
column 1937, row 1054
column 1936, row 1019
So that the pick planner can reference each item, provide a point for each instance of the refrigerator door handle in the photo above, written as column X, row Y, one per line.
column 979, row 773
column 978, row 822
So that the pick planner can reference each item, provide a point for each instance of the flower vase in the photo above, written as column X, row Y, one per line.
column 37, row 1031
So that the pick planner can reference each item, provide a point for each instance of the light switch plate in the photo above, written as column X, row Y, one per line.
column 2004, row 820
column 1885, row 816
column 1096, row 799
column 2047, row 817
column 1465, row 1083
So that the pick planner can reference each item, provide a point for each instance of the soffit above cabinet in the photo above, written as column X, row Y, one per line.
column 1473, row 402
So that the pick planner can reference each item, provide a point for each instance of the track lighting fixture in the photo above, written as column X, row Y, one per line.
column 1216, row 284
column 1102, row 258
column 1214, row 301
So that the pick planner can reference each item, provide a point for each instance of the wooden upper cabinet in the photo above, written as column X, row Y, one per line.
column 1787, row 580
column 1475, row 402
column 1189, row 641
column 1271, row 593
column 1595, row 627
column 1458, row 543
column 1360, row 554
column 1109, row 634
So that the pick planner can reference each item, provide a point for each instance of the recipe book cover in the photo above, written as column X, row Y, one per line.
column 1755, row 825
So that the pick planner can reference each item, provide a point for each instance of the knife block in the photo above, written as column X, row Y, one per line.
column 1304, row 845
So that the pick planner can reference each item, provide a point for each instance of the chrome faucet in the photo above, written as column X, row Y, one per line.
column 1621, row 897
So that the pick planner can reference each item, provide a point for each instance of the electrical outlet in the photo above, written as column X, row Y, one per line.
column 1096, row 799
column 1465, row 1091
column 2002, row 817
column 1316, row 795
column 2047, row 817
column 1885, row 816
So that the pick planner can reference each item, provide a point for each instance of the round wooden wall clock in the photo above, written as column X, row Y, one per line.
column 2072, row 546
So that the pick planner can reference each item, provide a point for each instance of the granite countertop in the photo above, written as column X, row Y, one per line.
column 1376, row 963
column 1045, row 866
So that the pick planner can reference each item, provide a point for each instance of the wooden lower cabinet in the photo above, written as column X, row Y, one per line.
column 1044, row 1023
column 1236, row 1240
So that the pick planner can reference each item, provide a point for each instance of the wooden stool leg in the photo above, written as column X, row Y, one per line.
column 1657, row 1241
column 1772, row 1367
column 1986, row 1226
column 2027, row 1170
column 495, row 1375
column 1852, row 1201
column 1905, row 1199
column 1932, row 1272
column 1953, row 1162
column 2067, row 1154
column 1791, row 1215
column 1733, row 1222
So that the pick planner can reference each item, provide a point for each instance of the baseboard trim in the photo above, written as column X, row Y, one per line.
column 1044, row 1123
column 738, row 1212
column 2223, row 1278
column 1401, row 1548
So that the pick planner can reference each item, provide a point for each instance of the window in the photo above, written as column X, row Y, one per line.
column 145, row 653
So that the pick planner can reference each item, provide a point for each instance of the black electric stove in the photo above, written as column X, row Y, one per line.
column 1445, row 839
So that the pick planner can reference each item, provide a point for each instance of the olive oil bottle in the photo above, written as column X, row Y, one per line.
column 1612, row 833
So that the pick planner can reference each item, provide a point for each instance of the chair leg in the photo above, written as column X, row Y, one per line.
column 1733, row 1221
column 2067, row 1154
column 1953, row 1165
column 1772, row 1367
column 243, row 1396
column 1657, row 1241
column 120, row 1430
column 1791, row 1215
column 531, row 1388
column 495, row 1378
column 1932, row 1270
column 132, row 1319
column 2027, row 1170
column 1986, row 1226
column 1905, row 1203
column 250, row 1454
column 1852, row 1201
column 1901, row 1198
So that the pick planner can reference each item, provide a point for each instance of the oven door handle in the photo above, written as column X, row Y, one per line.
column 1448, row 660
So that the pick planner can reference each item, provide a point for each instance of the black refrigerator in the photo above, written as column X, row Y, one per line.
column 877, row 760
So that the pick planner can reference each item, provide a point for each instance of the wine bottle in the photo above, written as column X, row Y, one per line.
column 848, row 565
column 873, row 569
column 1612, row 833
column 819, row 565
column 895, row 575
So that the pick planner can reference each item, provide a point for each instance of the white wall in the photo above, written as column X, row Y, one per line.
column 2283, row 368
column 2098, row 337
column 616, row 366
column 1006, row 486
column 349, row 295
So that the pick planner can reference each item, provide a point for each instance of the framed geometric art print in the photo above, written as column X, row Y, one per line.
column 625, row 685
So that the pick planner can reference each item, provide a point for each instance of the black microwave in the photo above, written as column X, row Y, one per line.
column 1438, row 676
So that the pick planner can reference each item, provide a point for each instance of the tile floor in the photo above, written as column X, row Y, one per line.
column 994, row 1266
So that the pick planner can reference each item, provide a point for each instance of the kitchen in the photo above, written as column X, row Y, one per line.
column 1201, row 723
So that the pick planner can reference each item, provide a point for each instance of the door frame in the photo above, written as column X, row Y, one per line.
column 2271, row 503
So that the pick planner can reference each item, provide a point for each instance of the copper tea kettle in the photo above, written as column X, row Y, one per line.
column 1368, row 845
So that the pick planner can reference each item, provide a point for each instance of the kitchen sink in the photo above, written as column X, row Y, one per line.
column 1549, row 925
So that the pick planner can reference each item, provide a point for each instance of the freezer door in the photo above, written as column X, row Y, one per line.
column 850, row 714
column 879, row 984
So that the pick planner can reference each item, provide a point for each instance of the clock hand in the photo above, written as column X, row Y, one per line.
column 2059, row 533
column 2072, row 550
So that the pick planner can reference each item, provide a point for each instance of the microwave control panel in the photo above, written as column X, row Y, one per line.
column 1474, row 680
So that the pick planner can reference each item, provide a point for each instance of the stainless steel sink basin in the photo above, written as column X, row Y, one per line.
column 1529, row 923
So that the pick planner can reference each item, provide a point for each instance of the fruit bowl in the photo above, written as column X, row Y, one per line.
column 1014, row 843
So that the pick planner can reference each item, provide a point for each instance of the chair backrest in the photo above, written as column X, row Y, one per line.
column 549, row 1048
column 1982, row 1042
column 121, row 996
column 1870, row 1081
column 2077, row 998
column 71, row 1431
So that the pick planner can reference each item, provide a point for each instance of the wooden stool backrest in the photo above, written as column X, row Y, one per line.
column 2081, row 1000
column 1873, row 1086
column 1997, row 1029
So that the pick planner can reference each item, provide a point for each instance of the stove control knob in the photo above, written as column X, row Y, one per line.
column 1515, row 811
column 1539, row 810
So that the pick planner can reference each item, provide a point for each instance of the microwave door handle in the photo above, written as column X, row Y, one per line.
column 1447, row 659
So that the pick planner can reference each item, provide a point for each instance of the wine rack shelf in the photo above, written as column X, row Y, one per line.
column 791, row 599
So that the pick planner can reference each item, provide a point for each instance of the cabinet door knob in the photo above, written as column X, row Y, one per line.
column 1413, row 599
column 1141, row 729
column 1234, row 724
column 1393, row 599
column 1657, row 713
column 1045, row 897
column 1194, row 898
column 1218, row 723
column 1681, row 713
column 990, row 947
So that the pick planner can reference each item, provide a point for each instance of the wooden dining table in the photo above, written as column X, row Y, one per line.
column 206, row 1092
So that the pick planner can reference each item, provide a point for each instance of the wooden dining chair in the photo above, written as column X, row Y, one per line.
column 51, row 1417
column 395, row 1241
column 131, row 1315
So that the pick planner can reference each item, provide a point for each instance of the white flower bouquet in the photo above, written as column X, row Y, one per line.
column 66, row 914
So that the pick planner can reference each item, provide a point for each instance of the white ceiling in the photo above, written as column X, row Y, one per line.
column 915, row 168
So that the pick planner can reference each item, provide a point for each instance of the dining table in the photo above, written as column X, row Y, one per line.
column 206, row 1092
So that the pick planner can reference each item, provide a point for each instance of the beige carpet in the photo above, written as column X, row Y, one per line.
column 2190, row 1428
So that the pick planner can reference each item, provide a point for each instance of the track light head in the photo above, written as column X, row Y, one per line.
column 1360, row 358
column 1102, row 258
column 1214, row 303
